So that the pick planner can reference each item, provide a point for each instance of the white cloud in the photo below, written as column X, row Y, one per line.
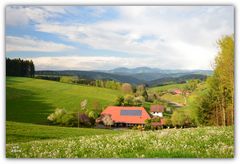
column 179, row 32
column 77, row 62
column 23, row 15
column 14, row 43
column 172, row 37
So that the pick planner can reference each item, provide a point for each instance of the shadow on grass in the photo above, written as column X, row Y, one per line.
column 26, row 106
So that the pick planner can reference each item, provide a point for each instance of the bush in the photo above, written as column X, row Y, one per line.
column 134, row 128
column 182, row 118
column 138, row 101
column 69, row 120
column 140, row 127
column 107, row 120
column 119, row 101
column 61, row 117
column 147, row 127
column 167, row 122
column 127, row 88
column 128, row 100
column 56, row 117
column 83, row 119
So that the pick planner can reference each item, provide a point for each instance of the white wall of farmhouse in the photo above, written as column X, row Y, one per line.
column 159, row 114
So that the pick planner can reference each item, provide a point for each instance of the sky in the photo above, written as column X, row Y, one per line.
column 107, row 37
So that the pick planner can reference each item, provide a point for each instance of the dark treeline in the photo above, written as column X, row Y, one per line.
column 46, row 77
column 98, row 83
column 19, row 67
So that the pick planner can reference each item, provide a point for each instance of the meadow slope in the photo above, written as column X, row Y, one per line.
column 32, row 100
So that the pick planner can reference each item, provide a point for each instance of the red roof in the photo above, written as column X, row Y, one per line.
column 157, row 108
column 124, row 114
column 177, row 91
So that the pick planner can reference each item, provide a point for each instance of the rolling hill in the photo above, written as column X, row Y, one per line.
column 172, row 80
column 93, row 75
column 135, row 76
column 32, row 100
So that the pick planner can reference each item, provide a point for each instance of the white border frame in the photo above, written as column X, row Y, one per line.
column 4, row 3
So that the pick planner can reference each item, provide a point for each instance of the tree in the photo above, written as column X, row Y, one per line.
column 57, row 116
column 97, row 107
column 68, row 119
column 138, row 101
column 61, row 117
column 93, row 114
column 107, row 120
column 119, row 101
column 127, row 88
column 83, row 119
column 128, row 100
column 181, row 118
column 216, row 106
column 83, row 106
column 18, row 67
column 167, row 122
column 177, row 118
column 141, row 91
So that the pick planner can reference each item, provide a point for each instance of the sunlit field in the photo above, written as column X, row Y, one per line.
column 208, row 142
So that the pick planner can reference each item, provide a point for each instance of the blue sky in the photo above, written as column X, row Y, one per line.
column 106, row 37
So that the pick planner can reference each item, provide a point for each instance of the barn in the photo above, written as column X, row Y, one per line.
column 124, row 116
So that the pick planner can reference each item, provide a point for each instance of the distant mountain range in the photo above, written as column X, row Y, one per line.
column 139, row 75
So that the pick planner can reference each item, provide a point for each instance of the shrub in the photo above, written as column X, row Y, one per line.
column 147, row 127
column 140, row 127
column 83, row 119
column 127, row 88
column 61, row 117
column 107, row 120
column 182, row 118
column 128, row 100
column 92, row 114
column 138, row 101
column 69, row 120
column 56, row 117
column 134, row 128
column 119, row 101
column 167, row 122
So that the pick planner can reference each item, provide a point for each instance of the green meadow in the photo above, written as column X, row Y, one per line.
column 167, row 87
column 32, row 100
column 28, row 135
column 26, row 132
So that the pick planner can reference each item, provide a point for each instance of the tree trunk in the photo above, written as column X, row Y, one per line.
column 223, row 113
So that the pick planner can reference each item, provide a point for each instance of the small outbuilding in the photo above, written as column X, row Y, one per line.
column 157, row 110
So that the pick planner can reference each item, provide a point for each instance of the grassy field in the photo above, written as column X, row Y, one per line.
column 26, row 132
column 177, row 98
column 173, row 98
column 208, row 142
column 167, row 96
column 167, row 87
column 32, row 100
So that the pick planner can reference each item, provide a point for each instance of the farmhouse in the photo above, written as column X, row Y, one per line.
column 123, row 116
column 157, row 110
column 177, row 91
